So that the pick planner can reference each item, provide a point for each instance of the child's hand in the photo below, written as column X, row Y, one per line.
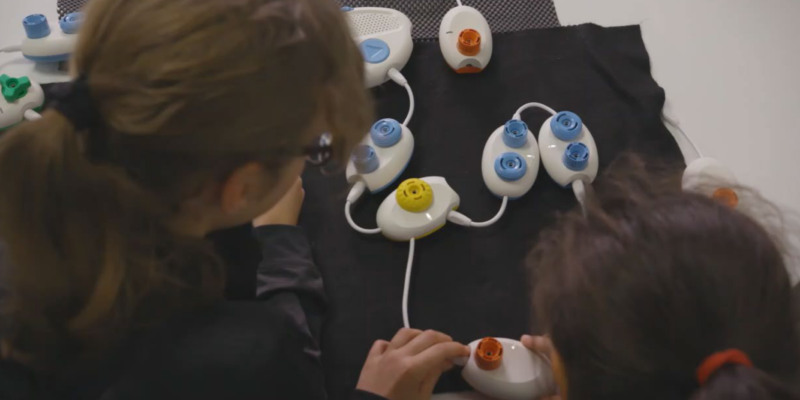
column 538, row 344
column 408, row 367
column 287, row 210
column 543, row 346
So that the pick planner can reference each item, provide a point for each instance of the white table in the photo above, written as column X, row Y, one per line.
column 729, row 67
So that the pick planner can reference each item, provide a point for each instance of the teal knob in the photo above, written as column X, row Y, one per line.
column 14, row 88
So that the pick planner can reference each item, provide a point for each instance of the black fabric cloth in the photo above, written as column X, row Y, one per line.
column 472, row 283
column 264, row 348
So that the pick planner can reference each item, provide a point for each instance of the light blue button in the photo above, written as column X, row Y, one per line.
column 510, row 167
column 71, row 23
column 576, row 156
column 375, row 51
column 347, row 8
column 365, row 159
column 36, row 26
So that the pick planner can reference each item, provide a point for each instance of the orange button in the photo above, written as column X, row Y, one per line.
column 489, row 354
column 469, row 42
column 726, row 196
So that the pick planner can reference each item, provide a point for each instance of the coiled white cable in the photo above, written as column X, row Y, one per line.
column 407, row 284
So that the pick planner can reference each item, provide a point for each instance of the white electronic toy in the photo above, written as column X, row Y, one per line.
column 384, row 37
column 45, row 45
column 20, row 100
column 418, row 208
column 569, row 153
column 382, row 156
column 505, row 369
column 705, row 175
column 465, row 39
column 510, row 161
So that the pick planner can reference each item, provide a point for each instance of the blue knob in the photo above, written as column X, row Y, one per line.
column 515, row 134
column 510, row 166
column 576, row 157
column 375, row 51
column 566, row 125
column 365, row 159
column 346, row 8
column 71, row 23
column 386, row 132
column 36, row 26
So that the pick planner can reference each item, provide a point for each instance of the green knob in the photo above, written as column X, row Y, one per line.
column 14, row 88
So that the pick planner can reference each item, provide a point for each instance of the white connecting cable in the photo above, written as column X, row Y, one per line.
column 354, row 225
column 407, row 284
column 677, row 126
column 411, row 104
column 355, row 193
column 10, row 49
column 459, row 3
column 398, row 78
column 518, row 114
column 461, row 219
column 579, row 188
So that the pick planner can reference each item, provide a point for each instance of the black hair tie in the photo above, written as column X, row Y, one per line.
column 74, row 100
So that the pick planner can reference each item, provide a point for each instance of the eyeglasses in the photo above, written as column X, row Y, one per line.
column 320, row 154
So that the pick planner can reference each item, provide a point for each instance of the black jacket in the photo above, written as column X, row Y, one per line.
column 267, row 348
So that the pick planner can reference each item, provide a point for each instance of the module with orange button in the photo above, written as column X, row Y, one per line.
column 466, row 40
column 504, row 369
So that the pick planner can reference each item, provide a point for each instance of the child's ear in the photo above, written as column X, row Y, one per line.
column 241, row 187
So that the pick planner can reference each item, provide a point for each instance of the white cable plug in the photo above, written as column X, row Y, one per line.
column 352, row 197
column 31, row 115
column 461, row 219
column 407, row 283
column 401, row 80
column 518, row 114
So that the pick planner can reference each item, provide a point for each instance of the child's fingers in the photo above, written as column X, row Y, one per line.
column 539, row 344
column 378, row 348
column 403, row 336
column 437, row 355
column 425, row 340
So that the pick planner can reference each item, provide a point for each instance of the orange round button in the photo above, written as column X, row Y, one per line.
column 489, row 354
column 469, row 42
column 726, row 196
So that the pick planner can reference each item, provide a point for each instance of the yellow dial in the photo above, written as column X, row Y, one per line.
column 414, row 195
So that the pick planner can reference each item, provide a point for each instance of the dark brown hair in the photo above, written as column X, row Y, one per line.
column 187, row 90
column 651, row 282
